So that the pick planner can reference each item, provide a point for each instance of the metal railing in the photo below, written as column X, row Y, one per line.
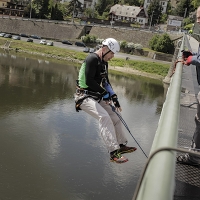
column 158, row 180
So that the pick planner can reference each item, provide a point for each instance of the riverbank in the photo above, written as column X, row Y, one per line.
column 142, row 68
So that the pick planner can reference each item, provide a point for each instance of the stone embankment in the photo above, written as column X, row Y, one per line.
column 44, row 29
column 61, row 30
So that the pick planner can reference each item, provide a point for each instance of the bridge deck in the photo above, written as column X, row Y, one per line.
column 188, row 177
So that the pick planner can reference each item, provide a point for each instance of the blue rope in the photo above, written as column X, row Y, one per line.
column 122, row 120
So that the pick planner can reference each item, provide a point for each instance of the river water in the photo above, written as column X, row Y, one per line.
column 49, row 151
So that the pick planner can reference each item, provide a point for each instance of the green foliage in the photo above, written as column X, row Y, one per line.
column 99, row 40
column 195, row 4
column 154, row 11
column 153, row 41
column 123, row 44
column 45, row 9
column 131, row 45
column 138, row 46
column 188, row 26
column 56, row 13
column 162, row 43
column 184, row 7
column 149, row 67
column 164, row 18
column 89, row 12
column 133, row 2
column 104, row 6
column 187, row 21
column 88, row 39
column 74, row 6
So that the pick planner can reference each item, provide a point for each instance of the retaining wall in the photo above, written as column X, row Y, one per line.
column 44, row 29
column 60, row 30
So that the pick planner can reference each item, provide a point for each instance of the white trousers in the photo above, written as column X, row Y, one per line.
column 111, row 127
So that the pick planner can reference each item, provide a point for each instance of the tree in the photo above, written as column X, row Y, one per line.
column 153, row 41
column 133, row 2
column 184, row 7
column 74, row 7
column 154, row 12
column 44, row 9
column 195, row 4
column 41, row 8
column 162, row 43
column 104, row 6
column 56, row 13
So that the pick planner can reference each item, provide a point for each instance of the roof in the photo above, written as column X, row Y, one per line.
column 175, row 17
column 123, row 10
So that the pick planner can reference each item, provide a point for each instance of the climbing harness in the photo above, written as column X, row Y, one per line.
column 82, row 94
column 122, row 120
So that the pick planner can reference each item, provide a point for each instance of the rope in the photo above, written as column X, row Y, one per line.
column 122, row 120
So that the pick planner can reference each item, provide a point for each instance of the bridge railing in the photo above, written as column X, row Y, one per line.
column 158, row 179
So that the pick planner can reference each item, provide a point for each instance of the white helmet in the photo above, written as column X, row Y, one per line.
column 112, row 44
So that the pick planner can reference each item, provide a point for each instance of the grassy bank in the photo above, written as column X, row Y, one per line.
column 75, row 56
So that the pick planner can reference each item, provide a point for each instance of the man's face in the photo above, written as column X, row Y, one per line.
column 198, row 15
column 109, row 55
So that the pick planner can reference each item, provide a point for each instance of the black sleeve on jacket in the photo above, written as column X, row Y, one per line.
column 93, row 73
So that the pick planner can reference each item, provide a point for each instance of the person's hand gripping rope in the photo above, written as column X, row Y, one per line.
column 111, row 96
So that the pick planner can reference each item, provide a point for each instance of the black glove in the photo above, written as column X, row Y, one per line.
column 186, row 54
column 115, row 101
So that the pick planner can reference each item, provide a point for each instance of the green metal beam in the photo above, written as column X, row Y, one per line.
column 159, row 179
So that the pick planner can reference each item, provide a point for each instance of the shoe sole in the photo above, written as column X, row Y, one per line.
column 129, row 151
column 111, row 160
column 118, row 160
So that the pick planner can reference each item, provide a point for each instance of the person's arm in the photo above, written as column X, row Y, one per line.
column 90, row 71
column 111, row 92
column 193, row 60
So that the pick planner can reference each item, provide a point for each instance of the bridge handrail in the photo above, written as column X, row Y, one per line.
column 159, row 179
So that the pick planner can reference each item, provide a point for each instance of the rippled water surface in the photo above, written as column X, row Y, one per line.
column 49, row 151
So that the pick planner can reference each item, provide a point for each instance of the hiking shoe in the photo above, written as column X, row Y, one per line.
column 185, row 160
column 117, row 157
column 126, row 149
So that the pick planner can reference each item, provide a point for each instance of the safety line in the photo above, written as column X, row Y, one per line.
column 122, row 120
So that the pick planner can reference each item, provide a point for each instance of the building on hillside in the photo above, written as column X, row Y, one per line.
column 3, row 3
column 11, row 9
column 163, row 3
column 128, row 13
column 174, row 23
